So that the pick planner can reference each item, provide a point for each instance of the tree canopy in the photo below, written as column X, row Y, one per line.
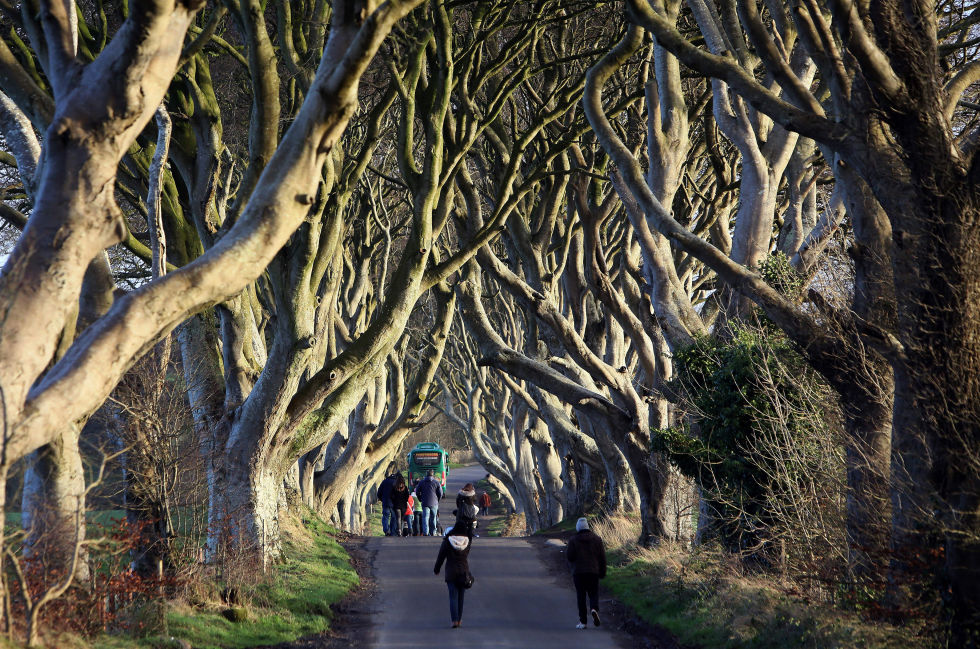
column 642, row 254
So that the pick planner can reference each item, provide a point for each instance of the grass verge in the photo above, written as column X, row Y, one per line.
column 706, row 599
column 374, row 521
column 564, row 525
column 292, row 602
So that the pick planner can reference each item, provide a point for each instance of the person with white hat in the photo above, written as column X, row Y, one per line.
column 455, row 552
column 587, row 555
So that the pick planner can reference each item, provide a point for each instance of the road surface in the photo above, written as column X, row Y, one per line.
column 514, row 603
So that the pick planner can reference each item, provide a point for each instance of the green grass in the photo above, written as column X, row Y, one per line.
column 293, row 602
column 495, row 527
column 644, row 587
column 564, row 525
column 374, row 521
column 704, row 603
column 96, row 520
column 189, row 521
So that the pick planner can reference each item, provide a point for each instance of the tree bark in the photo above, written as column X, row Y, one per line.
column 54, row 492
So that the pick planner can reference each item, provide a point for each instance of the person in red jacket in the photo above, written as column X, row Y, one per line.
column 485, row 504
column 587, row 555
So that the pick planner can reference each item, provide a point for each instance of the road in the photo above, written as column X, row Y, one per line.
column 515, row 603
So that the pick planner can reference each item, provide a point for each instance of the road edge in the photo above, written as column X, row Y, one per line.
column 630, row 630
column 350, row 621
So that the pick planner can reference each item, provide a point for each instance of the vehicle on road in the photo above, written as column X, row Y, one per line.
column 428, row 456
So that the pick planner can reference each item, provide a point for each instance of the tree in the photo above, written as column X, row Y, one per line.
column 890, row 110
column 98, row 109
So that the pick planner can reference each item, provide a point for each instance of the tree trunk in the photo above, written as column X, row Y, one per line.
column 651, row 479
column 291, row 491
column 936, row 447
column 54, row 492
column 309, row 464
column 622, row 492
column 148, row 512
column 549, row 469
column 54, row 483
column 527, row 488
column 243, row 516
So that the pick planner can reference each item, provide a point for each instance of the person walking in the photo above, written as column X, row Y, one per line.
column 587, row 555
column 466, row 509
column 384, row 497
column 416, row 515
column 399, row 503
column 455, row 551
column 429, row 492
column 485, row 504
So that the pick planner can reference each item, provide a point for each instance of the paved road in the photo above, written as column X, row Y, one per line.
column 514, row 603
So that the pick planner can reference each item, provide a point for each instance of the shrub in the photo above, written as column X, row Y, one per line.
column 762, row 441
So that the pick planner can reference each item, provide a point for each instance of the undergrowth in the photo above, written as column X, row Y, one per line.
column 707, row 599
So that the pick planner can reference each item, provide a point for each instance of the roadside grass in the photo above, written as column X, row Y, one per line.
column 494, row 527
column 706, row 599
column 294, row 602
column 374, row 520
column 564, row 525
column 291, row 602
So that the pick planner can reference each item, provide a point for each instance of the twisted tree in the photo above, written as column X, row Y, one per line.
column 889, row 111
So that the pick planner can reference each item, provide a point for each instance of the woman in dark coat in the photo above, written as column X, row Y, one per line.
column 455, row 552
column 399, row 502
column 466, row 509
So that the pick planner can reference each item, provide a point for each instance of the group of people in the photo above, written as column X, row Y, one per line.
column 417, row 508
column 585, row 553
column 415, row 511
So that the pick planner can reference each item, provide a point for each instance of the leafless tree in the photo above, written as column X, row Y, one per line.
column 888, row 113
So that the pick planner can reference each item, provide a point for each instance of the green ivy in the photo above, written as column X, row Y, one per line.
column 730, row 404
column 779, row 273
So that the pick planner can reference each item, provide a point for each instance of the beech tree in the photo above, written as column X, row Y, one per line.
column 888, row 109
column 278, row 367
column 522, row 434
column 858, row 374
column 451, row 205
column 96, row 110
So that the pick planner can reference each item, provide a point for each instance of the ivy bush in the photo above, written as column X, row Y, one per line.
column 758, row 435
